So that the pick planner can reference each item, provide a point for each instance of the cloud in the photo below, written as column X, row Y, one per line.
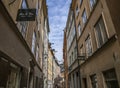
column 57, row 11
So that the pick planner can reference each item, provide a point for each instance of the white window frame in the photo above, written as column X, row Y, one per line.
column 106, row 29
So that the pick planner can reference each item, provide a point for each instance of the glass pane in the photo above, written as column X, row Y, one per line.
column 81, row 2
column 77, row 11
column 24, row 4
column 103, row 30
column 84, row 17
column 110, row 79
column 94, row 81
column 99, row 35
column 112, row 84
column 92, row 3
column 88, row 46
column 33, row 42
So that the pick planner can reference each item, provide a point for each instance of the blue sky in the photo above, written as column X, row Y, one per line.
column 58, row 12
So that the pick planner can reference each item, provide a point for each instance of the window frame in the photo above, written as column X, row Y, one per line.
column 109, row 79
column 81, row 2
column 106, row 29
column 84, row 14
column 90, row 41
column 81, row 49
column 75, row 53
column 37, row 53
column 92, row 6
column 79, row 29
column 94, row 80
column 77, row 11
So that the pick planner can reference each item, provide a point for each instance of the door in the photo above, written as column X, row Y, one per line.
column 14, row 77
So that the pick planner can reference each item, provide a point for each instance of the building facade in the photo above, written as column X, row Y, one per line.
column 56, row 68
column 65, row 60
column 56, row 71
column 21, row 50
column 98, row 46
column 50, row 68
column 71, row 51
column 53, row 68
column 46, row 39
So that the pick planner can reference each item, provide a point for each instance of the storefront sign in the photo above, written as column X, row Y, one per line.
column 26, row 15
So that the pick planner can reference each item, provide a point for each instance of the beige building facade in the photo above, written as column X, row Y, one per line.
column 21, row 50
column 98, row 47
column 99, row 43
column 50, row 68
column 71, row 51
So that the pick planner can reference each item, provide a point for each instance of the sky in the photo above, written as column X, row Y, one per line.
column 57, row 12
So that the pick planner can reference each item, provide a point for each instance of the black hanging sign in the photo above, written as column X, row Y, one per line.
column 26, row 15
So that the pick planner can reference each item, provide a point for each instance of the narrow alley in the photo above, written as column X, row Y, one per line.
column 59, row 44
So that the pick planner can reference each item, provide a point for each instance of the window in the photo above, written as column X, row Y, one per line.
column 72, row 56
column 88, row 46
column 69, row 60
column 23, row 28
column 110, row 79
column 75, row 53
column 24, row 4
column 85, row 82
column 92, row 3
column 77, row 11
column 101, row 34
column 84, row 17
column 82, row 53
column 37, row 8
column 79, row 29
column 37, row 53
column 77, row 80
column 81, row 49
column 94, row 81
column 81, row 2
column 71, row 35
column 73, row 31
column 33, row 42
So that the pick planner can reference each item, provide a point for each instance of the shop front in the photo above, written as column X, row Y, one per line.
column 10, row 75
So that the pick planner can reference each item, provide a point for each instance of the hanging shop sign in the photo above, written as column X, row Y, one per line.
column 26, row 15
